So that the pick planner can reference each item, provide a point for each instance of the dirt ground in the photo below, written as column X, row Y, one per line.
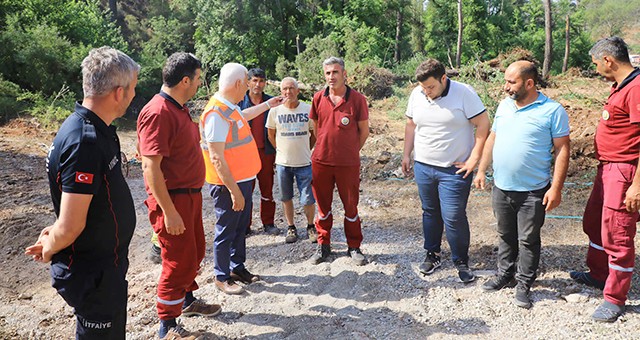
column 385, row 299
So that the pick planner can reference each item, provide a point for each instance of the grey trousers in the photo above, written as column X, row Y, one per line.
column 520, row 216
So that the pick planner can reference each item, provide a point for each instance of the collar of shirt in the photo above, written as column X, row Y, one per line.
column 246, row 102
column 444, row 93
column 93, row 118
column 615, row 87
column 169, row 98
column 346, row 94
column 224, row 101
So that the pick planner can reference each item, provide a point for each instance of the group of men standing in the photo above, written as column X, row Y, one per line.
column 527, row 131
column 447, row 131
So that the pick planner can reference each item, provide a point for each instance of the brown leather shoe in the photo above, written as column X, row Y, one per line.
column 229, row 287
column 244, row 276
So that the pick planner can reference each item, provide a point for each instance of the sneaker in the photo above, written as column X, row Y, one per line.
column 522, row 296
column 585, row 278
column 154, row 254
column 248, row 232
column 312, row 233
column 244, row 276
column 229, row 287
column 607, row 312
column 357, row 256
column 200, row 308
column 499, row 282
column 292, row 235
column 322, row 253
column 430, row 264
column 465, row 274
column 270, row 229
column 178, row 333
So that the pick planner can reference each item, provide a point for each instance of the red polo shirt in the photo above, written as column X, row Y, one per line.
column 165, row 128
column 618, row 134
column 338, row 140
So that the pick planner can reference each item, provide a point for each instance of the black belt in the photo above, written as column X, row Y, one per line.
column 633, row 162
column 185, row 190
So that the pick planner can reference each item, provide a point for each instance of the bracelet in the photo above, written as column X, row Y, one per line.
column 268, row 106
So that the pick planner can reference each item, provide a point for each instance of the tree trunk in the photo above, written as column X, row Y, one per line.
column 460, row 28
column 567, row 44
column 113, row 7
column 399, row 19
column 548, row 42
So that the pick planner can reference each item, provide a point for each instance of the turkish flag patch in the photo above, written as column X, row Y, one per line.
column 83, row 177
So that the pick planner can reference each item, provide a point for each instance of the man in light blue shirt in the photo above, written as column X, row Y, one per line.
column 526, row 128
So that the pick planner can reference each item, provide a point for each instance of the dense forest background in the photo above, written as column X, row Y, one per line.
column 382, row 41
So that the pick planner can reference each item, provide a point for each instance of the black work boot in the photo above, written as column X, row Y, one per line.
column 322, row 253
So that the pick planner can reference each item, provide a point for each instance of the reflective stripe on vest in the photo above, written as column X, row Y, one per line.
column 243, row 162
column 235, row 141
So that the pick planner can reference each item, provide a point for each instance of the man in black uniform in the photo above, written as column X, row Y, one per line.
column 88, row 243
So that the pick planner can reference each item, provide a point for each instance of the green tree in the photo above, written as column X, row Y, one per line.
column 608, row 17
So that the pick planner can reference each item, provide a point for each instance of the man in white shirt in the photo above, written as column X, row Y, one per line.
column 291, row 132
column 442, row 115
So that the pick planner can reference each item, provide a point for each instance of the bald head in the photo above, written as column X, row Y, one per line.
column 520, row 82
column 525, row 70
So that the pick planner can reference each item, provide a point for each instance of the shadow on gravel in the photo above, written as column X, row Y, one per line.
column 562, row 258
column 348, row 285
column 353, row 322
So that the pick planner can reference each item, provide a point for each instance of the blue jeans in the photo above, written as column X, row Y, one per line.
column 444, row 195
column 302, row 176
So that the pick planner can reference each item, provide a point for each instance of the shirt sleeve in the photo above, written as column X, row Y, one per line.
column 634, row 104
column 363, row 112
column 559, row 123
column 472, row 104
column 313, row 112
column 154, row 135
column 81, row 169
column 271, row 118
column 496, row 116
column 409, row 112
column 215, row 128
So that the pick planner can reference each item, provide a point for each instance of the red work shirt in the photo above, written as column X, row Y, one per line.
column 618, row 134
column 257, row 129
column 166, row 129
column 338, row 138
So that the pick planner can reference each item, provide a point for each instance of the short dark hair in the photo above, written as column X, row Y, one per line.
column 178, row 66
column 612, row 46
column 530, row 71
column 430, row 68
column 256, row 72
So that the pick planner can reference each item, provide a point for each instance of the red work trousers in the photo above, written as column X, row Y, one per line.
column 181, row 254
column 347, row 180
column 611, row 230
column 265, row 183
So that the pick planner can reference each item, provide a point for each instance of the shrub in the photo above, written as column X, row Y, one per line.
column 374, row 82
column 10, row 106
column 50, row 111
column 285, row 68
column 310, row 61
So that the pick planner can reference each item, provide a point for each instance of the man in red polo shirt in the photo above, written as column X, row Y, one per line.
column 612, row 210
column 254, row 96
column 341, row 117
column 174, row 173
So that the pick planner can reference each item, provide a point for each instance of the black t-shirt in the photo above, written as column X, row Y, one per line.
column 85, row 159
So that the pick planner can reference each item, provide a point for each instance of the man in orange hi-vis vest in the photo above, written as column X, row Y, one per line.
column 232, row 162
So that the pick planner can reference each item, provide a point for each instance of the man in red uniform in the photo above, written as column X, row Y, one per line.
column 612, row 210
column 254, row 96
column 174, row 173
column 341, row 117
